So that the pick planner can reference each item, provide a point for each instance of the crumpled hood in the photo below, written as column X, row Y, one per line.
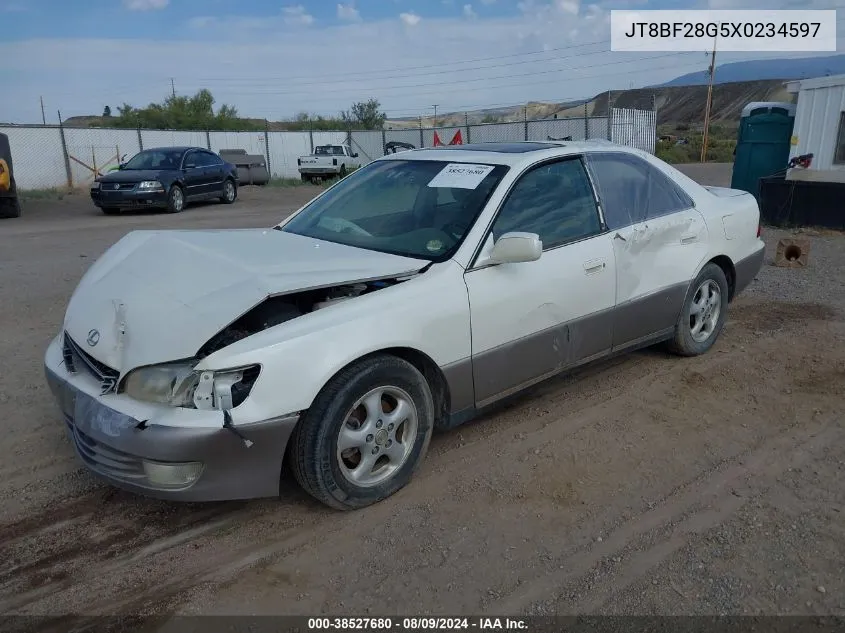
column 158, row 296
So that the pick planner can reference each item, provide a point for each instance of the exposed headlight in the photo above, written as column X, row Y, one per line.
column 179, row 385
column 163, row 384
column 150, row 184
column 95, row 184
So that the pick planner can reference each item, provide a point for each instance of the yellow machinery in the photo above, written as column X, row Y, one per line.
column 10, row 206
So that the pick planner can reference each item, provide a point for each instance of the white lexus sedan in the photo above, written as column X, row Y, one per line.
column 407, row 297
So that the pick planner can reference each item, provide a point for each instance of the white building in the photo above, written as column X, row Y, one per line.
column 819, row 128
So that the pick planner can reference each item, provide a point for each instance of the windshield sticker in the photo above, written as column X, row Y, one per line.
column 434, row 245
column 460, row 176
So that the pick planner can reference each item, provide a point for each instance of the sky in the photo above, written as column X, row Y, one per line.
column 275, row 58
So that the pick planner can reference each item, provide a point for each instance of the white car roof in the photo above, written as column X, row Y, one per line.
column 511, row 153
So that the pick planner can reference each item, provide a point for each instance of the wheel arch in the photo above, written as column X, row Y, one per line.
column 726, row 264
column 430, row 370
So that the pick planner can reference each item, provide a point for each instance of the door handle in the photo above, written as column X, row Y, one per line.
column 689, row 238
column 594, row 266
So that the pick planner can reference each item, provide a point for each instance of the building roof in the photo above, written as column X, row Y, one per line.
column 816, row 82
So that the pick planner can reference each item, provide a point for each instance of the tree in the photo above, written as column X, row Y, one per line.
column 107, row 111
column 366, row 115
column 184, row 113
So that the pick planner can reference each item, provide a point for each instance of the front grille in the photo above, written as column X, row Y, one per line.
column 76, row 359
column 104, row 459
column 117, row 186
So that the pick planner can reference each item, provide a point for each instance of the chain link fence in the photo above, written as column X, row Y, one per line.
column 56, row 156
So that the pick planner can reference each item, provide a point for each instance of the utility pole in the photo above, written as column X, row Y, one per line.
column 172, row 88
column 43, row 116
column 435, row 115
column 712, row 72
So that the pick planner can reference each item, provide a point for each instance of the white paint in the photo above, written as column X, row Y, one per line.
column 460, row 176
column 820, row 105
column 181, row 287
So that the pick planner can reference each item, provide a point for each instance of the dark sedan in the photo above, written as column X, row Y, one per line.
column 166, row 178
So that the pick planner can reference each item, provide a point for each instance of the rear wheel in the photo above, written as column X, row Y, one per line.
column 175, row 199
column 229, row 192
column 342, row 173
column 365, row 434
column 704, row 313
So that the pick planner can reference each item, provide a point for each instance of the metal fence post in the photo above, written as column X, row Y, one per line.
column 208, row 140
column 349, row 139
column 267, row 145
column 68, row 171
column 609, row 116
column 140, row 139
column 586, row 124
column 422, row 139
column 469, row 134
column 525, row 118
column 311, row 134
column 383, row 141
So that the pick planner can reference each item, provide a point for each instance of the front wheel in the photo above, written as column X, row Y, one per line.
column 704, row 313
column 229, row 192
column 365, row 434
column 175, row 199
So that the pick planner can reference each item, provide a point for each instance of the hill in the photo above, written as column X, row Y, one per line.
column 762, row 69
column 675, row 104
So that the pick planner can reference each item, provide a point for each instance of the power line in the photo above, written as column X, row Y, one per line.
column 474, row 79
column 516, row 85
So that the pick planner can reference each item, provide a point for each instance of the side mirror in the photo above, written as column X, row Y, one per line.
column 355, row 155
column 121, row 166
column 515, row 248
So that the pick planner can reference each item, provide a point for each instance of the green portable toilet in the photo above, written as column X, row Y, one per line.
column 762, row 145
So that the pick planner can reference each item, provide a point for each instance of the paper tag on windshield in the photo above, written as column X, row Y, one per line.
column 460, row 176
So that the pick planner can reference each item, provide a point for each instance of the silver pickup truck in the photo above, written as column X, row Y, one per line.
column 327, row 161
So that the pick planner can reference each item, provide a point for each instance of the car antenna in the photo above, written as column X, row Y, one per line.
column 227, row 424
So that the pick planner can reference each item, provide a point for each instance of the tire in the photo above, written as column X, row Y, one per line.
column 342, row 173
column 334, row 478
column 230, row 192
column 175, row 199
column 110, row 210
column 700, row 321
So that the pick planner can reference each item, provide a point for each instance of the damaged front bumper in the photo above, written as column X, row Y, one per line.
column 166, row 452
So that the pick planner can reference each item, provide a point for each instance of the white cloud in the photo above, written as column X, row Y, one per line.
column 411, row 19
column 468, row 11
column 201, row 21
column 145, row 5
column 348, row 12
column 252, row 63
column 297, row 15
column 567, row 6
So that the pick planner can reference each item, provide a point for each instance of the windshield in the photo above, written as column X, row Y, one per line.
column 413, row 208
column 155, row 159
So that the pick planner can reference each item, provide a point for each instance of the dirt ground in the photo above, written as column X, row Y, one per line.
column 648, row 484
